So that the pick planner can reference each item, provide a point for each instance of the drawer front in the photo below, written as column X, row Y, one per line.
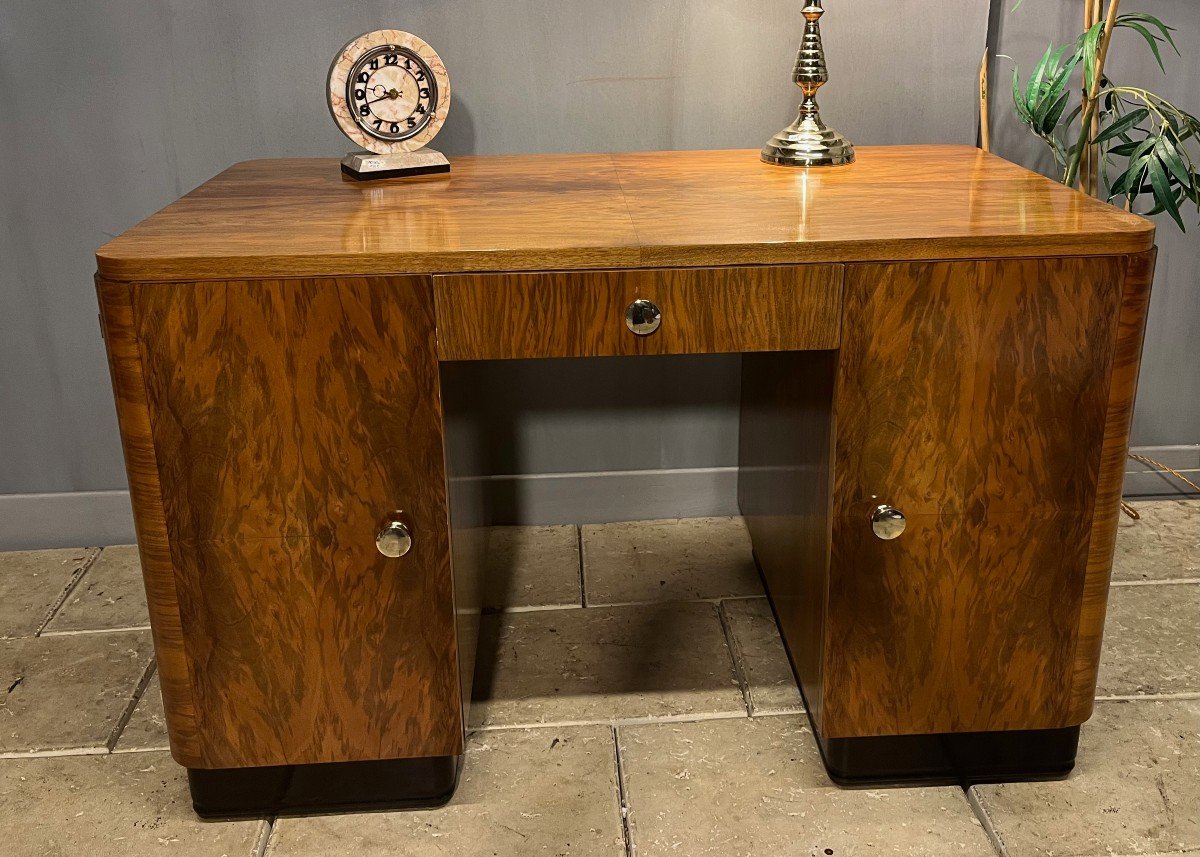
column 702, row 311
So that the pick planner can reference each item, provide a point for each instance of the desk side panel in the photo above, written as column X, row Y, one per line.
column 1127, row 359
column 154, row 546
column 784, row 477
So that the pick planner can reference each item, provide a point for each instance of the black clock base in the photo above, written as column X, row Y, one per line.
column 324, row 788
column 952, row 758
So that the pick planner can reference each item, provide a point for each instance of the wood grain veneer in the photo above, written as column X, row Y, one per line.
column 1127, row 358
column 154, row 547
column 933, row 328
column 971, row 395
column 966, row 623
column 288, row 417
column 705, row 311
column 972, row 384
column 785, row 479
column 300, row 218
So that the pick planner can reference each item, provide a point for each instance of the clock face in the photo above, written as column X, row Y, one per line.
column 393, row 93
column 389, row 91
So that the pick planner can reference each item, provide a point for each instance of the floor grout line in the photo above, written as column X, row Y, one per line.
column 985, row 820
column 264, row 837
column 649, row 720
column 583, row 599
column 138, row 692
column 544, row 608
column 734, row 656
column 91, row 631
column 54, row 754
column 528, row 608
column 1151, row 697
column 71, row 586
column 623, row 795
column 715, row 600
column 1175, row 581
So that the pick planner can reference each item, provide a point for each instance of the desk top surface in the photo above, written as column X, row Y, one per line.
column 301, row 217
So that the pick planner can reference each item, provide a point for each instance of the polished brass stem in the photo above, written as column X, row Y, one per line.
column 809, row 142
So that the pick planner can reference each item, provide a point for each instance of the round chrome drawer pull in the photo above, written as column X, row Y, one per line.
column 887, row 522
column 394, row 539
column 643, row 317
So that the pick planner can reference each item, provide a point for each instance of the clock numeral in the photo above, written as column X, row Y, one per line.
column 424, row 92
column 364, row 110
column 408, row 62
column 378, row 123
column 360, row 94
column 392, row 59
column 419, row 75
column 395, row 129
column 374, row 63
column 420, row 108
column 363, row 77
column 412, row 123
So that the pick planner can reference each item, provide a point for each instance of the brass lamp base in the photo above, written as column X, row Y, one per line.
column 808, row 142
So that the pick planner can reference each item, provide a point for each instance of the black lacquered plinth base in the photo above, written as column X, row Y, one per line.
column 962, row 758
column 330, row 787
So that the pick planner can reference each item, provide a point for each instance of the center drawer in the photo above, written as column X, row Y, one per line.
column 622, row 313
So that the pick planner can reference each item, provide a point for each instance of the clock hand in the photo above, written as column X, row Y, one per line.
column 390, row 94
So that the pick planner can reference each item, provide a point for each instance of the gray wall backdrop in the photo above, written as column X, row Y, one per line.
column 108, row 111
column 1168, row 406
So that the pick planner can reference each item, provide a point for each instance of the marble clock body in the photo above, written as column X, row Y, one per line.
column 389, row 92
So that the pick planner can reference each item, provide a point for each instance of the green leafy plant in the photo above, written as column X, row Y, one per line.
column 1137, row 141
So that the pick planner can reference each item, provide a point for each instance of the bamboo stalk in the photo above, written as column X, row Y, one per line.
column 1094, row 151
column 1091, row 14
column 1090, row 112
column 985, row 125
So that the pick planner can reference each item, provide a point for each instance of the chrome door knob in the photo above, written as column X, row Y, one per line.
column 887, row 522
column 394, row 539
column 643, row 317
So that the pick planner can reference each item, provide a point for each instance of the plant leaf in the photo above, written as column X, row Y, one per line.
column 1163, row 194
column 1089, row 46
column 1019, row 99
column 1125, row 149
column 1165, row 150
column 1033, row 91
column 1120, row 126
column 1073, row 115
column 1153, row 22
column 1151, row 41
column 1132, row 177
column 1050, row 120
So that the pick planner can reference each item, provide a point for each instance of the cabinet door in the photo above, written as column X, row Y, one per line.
column 289, row 417
column 971, row 396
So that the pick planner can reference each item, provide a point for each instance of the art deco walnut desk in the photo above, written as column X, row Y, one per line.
column 932, row 330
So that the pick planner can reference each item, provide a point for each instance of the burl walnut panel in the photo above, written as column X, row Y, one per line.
column 1127, row 358
column 966, row 623
column 145, row 489
column 289, row 416
column 972, row 384
column 704, row 311
column 972, row 396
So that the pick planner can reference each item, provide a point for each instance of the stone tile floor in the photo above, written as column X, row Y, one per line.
column 633, row 698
